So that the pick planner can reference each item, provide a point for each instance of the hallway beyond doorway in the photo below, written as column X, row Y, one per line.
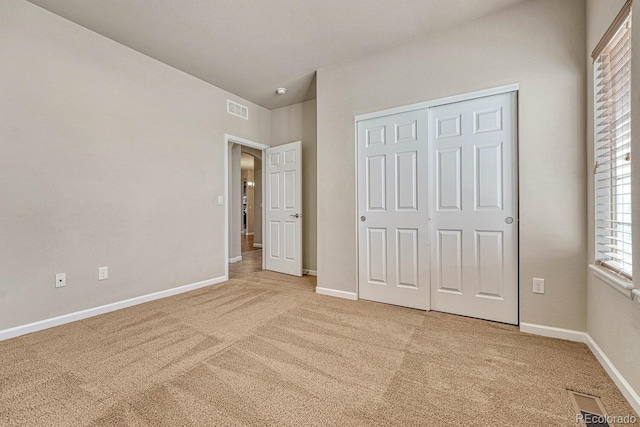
column 246, row 244
column 251, row 259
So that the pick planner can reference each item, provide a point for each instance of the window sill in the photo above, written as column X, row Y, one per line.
column 620, row 284
column 636, row 292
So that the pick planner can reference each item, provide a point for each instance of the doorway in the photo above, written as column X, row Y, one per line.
column 277, row 212
column 438, row 206
column 251, row 200
column 244, row 191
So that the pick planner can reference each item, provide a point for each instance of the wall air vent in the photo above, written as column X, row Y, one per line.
column 237, row 109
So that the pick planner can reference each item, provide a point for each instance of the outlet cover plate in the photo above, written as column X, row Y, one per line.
column 538, row 286
column 103, row 273
column 61, row 280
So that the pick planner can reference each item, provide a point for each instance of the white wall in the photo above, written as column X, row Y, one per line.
column 298, row 123
column 538, row 44
column 613, row 320
column 108, row 158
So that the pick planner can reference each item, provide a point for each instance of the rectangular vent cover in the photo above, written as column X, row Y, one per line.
column 237, row 109
column 589, row 410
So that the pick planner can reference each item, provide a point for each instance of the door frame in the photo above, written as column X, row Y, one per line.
column 247, row 143
column 426, row 105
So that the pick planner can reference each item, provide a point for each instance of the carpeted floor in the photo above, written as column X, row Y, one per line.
column 264, row 349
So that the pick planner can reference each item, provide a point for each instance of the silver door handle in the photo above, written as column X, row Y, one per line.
column 508, row 220
column 363, row 218
column 298, row 215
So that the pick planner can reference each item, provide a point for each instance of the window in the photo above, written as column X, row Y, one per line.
column 612, row 137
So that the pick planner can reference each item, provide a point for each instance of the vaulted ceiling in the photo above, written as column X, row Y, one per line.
column 252, row 47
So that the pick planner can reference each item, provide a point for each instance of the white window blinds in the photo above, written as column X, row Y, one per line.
column 612, row 120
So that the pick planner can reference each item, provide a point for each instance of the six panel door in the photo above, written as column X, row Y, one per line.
column 393, row 210
column 474, row 229
column 437, row 206
column 283, row 218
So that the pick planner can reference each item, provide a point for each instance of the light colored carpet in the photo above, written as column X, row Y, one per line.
column 264, row 349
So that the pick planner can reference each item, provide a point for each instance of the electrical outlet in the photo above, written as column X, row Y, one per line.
column 61, row 280
column 220, row 200
column 103, row 273
column 538, row 286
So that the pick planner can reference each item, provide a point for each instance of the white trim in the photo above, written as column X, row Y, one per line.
column 309, row 272
column 257, row 245
column 337, row 293
column 442, row 101
column 583, row 337
column 636, row 293
column 625, row 388
column 107, row 308
column 551, row 332
column 249, row 234
column 247, row 143
column 356, row 218
column 620, row 284
column 234, row 260
column 227, row 139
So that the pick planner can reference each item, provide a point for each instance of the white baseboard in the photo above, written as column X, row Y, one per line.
column 337, row 293
column 551, row 332
column 83, row 314
column 257, row 245
column 310, row 272
column 236, row 259
column 625, row 388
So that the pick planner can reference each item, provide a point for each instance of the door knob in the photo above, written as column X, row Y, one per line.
column 508, row 220
column 363, row 218
column 296, row 215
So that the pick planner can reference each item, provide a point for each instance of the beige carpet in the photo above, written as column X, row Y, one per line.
column 263, row 349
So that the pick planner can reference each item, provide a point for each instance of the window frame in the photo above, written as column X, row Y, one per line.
column 612, row 198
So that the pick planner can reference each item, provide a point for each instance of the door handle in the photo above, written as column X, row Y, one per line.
column 298, row 215
column 508, row 220
column 363, row 218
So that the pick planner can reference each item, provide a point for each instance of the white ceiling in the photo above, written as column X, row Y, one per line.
column 251, row 47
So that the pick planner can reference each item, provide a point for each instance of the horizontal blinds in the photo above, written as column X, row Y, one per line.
column 612, row 117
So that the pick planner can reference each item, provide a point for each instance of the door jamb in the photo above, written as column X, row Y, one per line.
column 247, row 143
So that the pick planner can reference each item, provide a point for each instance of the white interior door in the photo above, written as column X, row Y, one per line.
column 392, row 209
column 283, row 213
column 473, row 178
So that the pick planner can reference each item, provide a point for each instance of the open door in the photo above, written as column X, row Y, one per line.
column 283, row 213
